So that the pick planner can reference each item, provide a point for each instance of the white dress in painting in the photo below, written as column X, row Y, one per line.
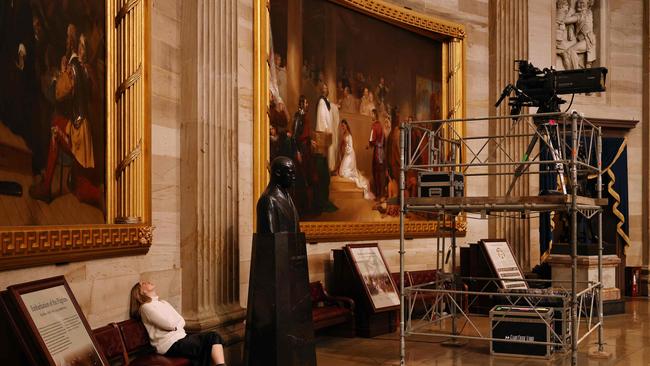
column 348, row 168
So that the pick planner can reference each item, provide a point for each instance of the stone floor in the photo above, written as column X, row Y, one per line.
column 627, row 339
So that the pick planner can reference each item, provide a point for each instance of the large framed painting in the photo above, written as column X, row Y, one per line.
column 74, row 130
column 52, row 321
column 334, row 81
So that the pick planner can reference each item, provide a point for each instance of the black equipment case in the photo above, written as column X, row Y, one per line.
column 521, row 323
column 440, row 184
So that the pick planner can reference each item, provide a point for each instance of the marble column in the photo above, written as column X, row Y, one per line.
column 209, row 172
column 294, row 54
column 508, row 42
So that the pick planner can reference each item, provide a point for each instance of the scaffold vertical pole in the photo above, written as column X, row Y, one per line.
column 599, row 190
column 454, row 326
column 438, row 243
column 574, row 238
column 402, row 340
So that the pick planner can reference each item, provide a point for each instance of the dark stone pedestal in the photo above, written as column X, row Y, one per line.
column 279, row 327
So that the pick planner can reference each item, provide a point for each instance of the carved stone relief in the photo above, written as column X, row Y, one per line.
column 576, row 35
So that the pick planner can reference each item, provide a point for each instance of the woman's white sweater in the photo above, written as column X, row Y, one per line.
column 164, row 324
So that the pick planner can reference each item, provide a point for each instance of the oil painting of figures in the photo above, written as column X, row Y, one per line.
column 52, row 112
column 341, row 84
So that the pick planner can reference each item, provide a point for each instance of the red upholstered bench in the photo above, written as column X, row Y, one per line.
column 413, row 278
column 421, row 277
column 110, row 341
column 127, row 343
column 136, row 342
column 333, row 314
column 423, row 300
column 395, row 277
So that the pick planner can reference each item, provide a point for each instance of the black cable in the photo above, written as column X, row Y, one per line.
column 570, row 103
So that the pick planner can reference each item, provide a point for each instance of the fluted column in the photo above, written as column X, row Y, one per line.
column 209, row 176
column 508, row 42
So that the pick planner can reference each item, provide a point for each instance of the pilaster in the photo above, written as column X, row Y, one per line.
column 508, row 42
column 209, row 172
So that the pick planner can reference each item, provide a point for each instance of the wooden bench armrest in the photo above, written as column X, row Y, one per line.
column 344, row 301
column 341, row 300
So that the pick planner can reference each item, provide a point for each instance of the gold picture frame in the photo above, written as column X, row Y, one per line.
column 127, row 230
column 452, row 35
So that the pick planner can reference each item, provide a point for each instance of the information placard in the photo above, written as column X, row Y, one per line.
column 504, row 264
column 56, row 322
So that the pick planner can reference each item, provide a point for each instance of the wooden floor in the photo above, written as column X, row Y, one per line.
column 65, row 209
column 627, row 339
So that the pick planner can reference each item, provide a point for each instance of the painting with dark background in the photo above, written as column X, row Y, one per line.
column 52, row 111
column 346, row 155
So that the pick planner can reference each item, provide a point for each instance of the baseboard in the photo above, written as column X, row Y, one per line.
column 614, row 307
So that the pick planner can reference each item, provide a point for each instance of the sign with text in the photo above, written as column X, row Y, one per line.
column 504, row 264
column 57, row 323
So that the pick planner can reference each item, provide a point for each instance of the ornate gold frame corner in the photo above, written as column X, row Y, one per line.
column 128, row 158
column 452, row 35
column 406, row 18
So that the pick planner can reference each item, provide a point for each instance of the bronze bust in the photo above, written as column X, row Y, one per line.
column 275, row 209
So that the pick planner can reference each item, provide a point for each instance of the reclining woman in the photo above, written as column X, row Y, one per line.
column 165, row 328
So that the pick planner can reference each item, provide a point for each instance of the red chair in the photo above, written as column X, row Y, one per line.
column 331, row 314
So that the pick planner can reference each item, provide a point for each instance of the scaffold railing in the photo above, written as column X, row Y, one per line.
column 569, row 147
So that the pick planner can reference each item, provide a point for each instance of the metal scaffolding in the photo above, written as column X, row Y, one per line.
column 439, row 145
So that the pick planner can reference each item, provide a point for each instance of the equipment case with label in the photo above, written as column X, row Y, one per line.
column 521, row 323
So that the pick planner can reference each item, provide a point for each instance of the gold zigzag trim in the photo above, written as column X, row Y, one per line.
column 617, row 213
column 125, row 10
column 134, row 154
column 128, row 83
column 547, row 253
column 615, row 195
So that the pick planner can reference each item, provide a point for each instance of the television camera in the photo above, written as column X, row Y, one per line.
column 540, row 88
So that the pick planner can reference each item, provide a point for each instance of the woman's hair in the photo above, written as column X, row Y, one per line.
column 347, row 126
column 137, row 299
